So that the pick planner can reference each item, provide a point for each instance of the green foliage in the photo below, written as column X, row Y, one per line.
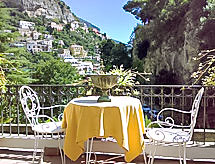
column 51, row 70
column 19, row 72
column 126, row 77
column 19, row 67
column 16, row 16
column 41, row 29
column 56, row 20
column 62, row 4
column 209, row 79
column 105, row 48
column 151, row 10
column 6, row 37
column 10, row 63
column 114, row 54
column 7, row 116
column 210, row 8
column 206, row 68
column 3, row 80
column 147, row 121
column 160, row 21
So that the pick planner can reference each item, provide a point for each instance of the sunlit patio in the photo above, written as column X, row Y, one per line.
column 199, row 152
column 17, row 139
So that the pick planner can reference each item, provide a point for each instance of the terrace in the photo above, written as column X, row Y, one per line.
column 17, row 139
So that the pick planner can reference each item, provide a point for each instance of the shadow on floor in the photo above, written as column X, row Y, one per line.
column 53, row 157
column 17, row 156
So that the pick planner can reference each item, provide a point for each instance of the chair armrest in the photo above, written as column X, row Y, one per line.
column 174, row 109
column 55, row 106
column 169, row 121
column 45, row 116
column 60, row 117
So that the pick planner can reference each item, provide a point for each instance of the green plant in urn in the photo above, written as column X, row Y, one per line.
column 116, row 76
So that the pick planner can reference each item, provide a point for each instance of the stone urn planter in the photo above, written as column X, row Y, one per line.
column 104, row 82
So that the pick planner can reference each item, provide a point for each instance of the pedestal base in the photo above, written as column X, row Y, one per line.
column 104, row 99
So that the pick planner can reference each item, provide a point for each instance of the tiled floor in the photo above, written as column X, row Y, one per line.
column 25, row 157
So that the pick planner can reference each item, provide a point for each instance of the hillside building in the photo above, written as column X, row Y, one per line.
column 39, row 46
column 78, row 51
column 58, row 27
column 36, row 35
column 26, row 25
column 82, row 67
column 64, row 53
column 48, row 36
column 25, row 32
column 17, row 44
column 76, row 24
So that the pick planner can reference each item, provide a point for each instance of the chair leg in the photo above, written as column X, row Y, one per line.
column 184, row 145
column 61, row 154
column 179, row 152
column 35, row 145
column 151, row 156
column 64, row 158
column 155, row 149
column 183, row 148
column 91, row 146
column 144, row 156
column 89, row 150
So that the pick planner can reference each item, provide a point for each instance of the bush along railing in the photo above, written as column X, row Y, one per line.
column 153, row 99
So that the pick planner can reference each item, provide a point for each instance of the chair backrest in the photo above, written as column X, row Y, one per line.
column 195, row 109
column 30, row 104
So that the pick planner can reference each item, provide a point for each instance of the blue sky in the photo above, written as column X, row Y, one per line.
column 108, row 15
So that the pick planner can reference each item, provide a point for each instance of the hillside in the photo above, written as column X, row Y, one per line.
column 52, row 9
column 55, row 18
column 89, row 25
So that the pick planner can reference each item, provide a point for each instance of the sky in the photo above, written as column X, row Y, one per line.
column 108, row 15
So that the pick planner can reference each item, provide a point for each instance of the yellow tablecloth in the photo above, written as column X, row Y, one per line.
column 122, row 118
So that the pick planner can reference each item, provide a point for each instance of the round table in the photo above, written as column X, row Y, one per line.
column 122, row 118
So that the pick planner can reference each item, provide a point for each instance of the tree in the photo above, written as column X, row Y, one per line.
column 114, row 54
column 159, row 17
column 105, row 49
column 20, row 71
column 150, row 10
column 206, row 69
column 51, row 70
column 120, row 54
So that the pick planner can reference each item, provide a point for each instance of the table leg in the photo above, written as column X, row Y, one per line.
column 89, row 150
column 101, row 133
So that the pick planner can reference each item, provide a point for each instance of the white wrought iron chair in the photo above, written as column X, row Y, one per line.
column 31, row 106
column 169, row 132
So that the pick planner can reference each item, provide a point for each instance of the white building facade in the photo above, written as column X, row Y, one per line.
column 26, row 24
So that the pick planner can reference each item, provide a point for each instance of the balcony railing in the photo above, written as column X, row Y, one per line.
column 153, row 98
